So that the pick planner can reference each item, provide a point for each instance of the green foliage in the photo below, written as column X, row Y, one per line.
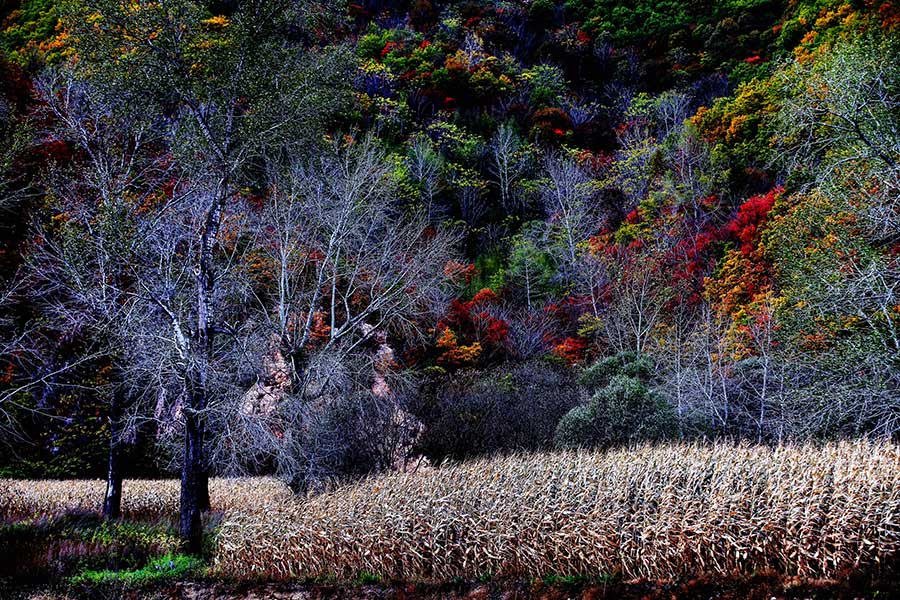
column 740, row 129
column 575, row 583
column 842, row 106
column 28, row 33
column 547, row 84
column 491, row 274
column 74, row 445
column 623, row 410
column 366, row 578
column 52, row 548
column 720, row 27
column 828, row 245
column 170, row 567
column 456, row 142
column 237, row 76
column 531, row 268
column 600, row 374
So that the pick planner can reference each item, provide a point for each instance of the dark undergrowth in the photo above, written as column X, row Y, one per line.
column 79, row 554
column 761, row 586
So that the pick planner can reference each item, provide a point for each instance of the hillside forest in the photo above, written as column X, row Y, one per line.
column 321, row 240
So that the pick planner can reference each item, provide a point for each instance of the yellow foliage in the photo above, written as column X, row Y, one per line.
column 453, row 352
column 216, row 22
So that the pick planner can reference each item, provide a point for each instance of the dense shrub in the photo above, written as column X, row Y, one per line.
column 623, row 408
column 508, row 408
column 345, row 437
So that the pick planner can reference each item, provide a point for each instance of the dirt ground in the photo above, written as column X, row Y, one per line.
column 757, row 587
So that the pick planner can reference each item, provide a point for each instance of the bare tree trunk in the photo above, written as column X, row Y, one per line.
column 112, row 502
column 194, row 470
column 203, row 488
column 192, row 480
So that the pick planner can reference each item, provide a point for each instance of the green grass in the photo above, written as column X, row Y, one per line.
column 366, row 578
column 59, row 547
column 165, row 568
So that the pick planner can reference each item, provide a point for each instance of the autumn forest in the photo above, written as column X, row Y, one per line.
column 266, row 252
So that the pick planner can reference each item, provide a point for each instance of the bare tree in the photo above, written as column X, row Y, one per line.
column 840, row 132
column 567, row 192
column 253, row 91
column 425, row 165
column 509, row 163
column 581, row 112
column 696, row 368
column 350, row 270
column 637, row 289
column 530, row 267
column 846, row 98
column 79, row 272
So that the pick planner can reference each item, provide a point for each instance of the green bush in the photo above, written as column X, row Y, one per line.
column 623, row 410
column 601, row 372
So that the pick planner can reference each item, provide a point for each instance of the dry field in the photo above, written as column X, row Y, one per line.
column 141, row 498
column 652, row 512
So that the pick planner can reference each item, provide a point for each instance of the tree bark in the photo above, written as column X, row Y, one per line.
column 192, row 481
column 194, row 470
column 203, row 488
column 112, row 502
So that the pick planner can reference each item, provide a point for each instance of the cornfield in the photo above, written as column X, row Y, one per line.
column 653, row 512
column 656, row 512
column 141, row 498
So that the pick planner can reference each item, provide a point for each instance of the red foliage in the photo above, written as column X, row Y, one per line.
column 389, row 47
column 889, row 12
column 496, row 331
column 691, row 261
column 485, row 296
column 571, row 349
column 458, row 272
column 710, row 202
column 551, row 122
column 470, row 325
column 751, row 217
column 52, row 151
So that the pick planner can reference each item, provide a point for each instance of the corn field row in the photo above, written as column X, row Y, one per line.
column 654, row 512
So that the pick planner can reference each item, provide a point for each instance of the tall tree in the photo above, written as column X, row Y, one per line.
column 346, row 272
column 231, row 85
column 80, row 271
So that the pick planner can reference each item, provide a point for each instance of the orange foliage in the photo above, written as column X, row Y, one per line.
column 453, row 353
column 571, row 349
column 459, row 272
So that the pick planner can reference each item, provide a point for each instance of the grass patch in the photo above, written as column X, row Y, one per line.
column 366, row 578
column 53, row 548
column 163, row 569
